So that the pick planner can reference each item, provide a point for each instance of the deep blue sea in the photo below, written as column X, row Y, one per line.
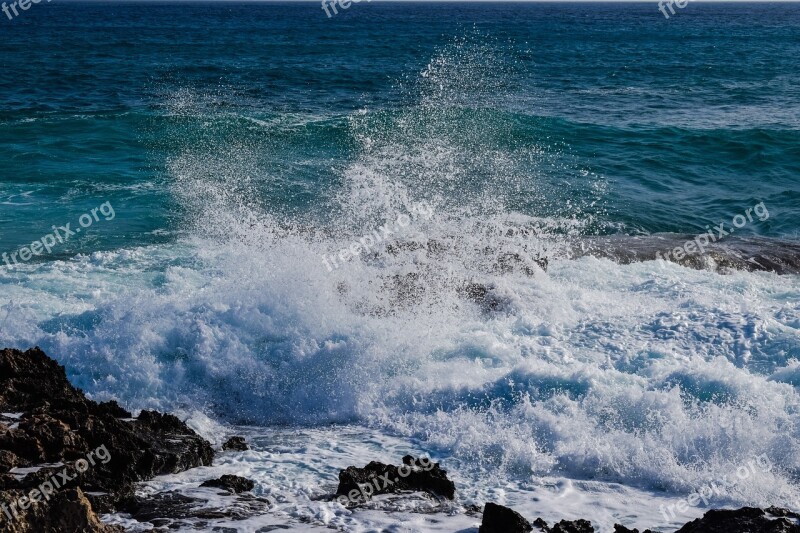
column 328, row 233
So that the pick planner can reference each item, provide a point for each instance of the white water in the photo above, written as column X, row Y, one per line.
column 593, row 390
column 595, row 379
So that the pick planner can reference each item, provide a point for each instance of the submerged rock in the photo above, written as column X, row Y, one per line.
column 176, row 511
column 233, row 484
column 619, row 528
column 236, row 443
column 483, row 295
column 499, row 519
column 378, row 478
column 513, row 261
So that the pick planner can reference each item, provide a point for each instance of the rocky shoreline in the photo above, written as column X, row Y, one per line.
column 64, row 458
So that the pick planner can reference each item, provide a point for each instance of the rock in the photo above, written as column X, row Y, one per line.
column 566, row 526
column 484, row 296
column 233, row 484
column 67, row 510
column 8, row 461
column 236, row 443
column 499, row 519
column 778, row 511
column 619, row 528
column 574, row 526
column 103, row 449
column 179, row 512
column 406, row 288
column 513, row 261
column 379, row 478
column 172, row 446
column 744, row 520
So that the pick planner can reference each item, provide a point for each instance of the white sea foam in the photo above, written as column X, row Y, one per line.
column 593, row 390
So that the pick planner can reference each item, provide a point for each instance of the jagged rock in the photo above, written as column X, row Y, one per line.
column 499, row 519
column 233, row 484
column 619, row 528
column 59, row 424
column 177, row 511
column 384, row 479
column 8, row 460
column 566, row 526
column 236, row 443
column 744, row 520
column 66, row 511
column 103, row 449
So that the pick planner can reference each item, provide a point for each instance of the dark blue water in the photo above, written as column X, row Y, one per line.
column 230, row 150
column 680, row 123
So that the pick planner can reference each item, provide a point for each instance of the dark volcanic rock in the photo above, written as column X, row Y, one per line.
column 379, row 478
column 177, row 511
column 744, row 520
column 236, row 443
column 66, row 511
column 566, row 526
column 234, row 484
column 499, row 519
column 619, row 528
column 59, row 425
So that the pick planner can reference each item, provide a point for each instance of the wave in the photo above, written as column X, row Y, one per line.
column 497, row 332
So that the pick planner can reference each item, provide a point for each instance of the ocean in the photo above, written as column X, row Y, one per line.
column 467, row 230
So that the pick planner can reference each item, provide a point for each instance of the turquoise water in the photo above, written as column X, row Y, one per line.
column 239, row 145
column 682, row 122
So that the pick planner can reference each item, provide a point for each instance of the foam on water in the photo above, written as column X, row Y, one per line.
column 591, row 382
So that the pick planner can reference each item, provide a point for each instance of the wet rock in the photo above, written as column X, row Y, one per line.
column 619, row 528
column 406, row 288
column 177, row 511
column 483, row 295
column 233, row 484
column 67, row 510
column 103, row 449
column 513, row 262
column 8, row 460
column 378, row 478
column 566, row 526
column 744, row 520
column 236, row 443
column 499, row 519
